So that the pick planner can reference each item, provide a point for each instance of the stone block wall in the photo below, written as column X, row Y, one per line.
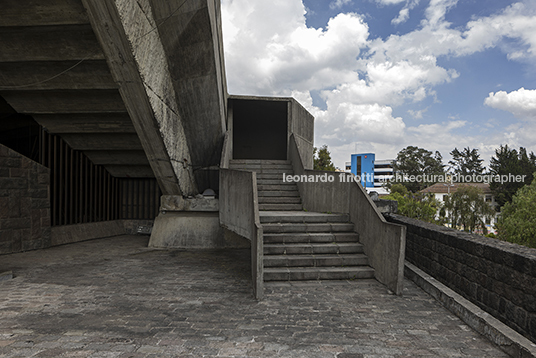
column 498, row 276
column 24, row 203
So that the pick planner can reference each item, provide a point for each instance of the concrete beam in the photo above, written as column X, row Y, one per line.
column 117, row 157
column 49, row 43
column 42, row 12
column 104, row 141
column 90, row 74
column 126, row 32
column 192, row 41
column 86, row 123
column 54, row 102
column 130, row 171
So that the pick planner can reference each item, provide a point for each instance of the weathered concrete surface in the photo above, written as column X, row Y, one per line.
column 117, row 298
column 137, row 62
column 191, row 36
column 497, row 332
column 384, row 242
column 301, row 126
column 188, row 223
column 239, row 213
column 498, row 276
column 187, row 229
column 151, row 68
column 178, row 203
column 66, row 234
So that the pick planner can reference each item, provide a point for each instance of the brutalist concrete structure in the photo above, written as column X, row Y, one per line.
column 124, row 104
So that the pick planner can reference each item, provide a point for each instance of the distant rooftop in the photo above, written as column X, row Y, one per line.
column 443, row 188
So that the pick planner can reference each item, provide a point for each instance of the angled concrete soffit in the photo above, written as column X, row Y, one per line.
column 137, row 60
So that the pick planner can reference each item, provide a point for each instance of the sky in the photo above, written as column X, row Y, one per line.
column 380, row 75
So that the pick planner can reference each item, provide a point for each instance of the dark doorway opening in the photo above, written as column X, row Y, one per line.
column 259, row 129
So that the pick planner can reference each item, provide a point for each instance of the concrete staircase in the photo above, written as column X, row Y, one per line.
column 300, row 245
column 274, row 194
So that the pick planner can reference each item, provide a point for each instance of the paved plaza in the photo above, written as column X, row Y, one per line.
column 117, row 298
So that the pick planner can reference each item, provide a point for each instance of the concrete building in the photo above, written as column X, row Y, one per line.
column 115, row 117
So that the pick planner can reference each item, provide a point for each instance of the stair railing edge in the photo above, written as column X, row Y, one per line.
column 384, row 243
column 239, row 213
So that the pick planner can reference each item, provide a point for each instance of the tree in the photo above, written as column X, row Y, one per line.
column 418, row 206
column 466, row 162
column 322, row 159
column 467, row 208
column 517, row 222
column 413, row 161
column 509, row 161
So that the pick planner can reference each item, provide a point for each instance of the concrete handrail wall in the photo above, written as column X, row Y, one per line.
column 239, row 212
column 226, row 153
column 384, row 242
column 497, row 276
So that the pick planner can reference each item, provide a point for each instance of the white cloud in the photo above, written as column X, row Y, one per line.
column 270, row 56
column 403, row 16
column 521, row 103
column 270, row 51
column 337, row 4
column 390, row 2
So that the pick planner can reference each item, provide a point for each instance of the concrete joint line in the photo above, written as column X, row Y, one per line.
column 507, row 339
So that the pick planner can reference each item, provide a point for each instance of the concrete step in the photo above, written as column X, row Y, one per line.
column 258, row 161
column 315, row 260
column 277, row 181
column 279, row 200
column 278, row 187
column 278, row 171
column 280, row 207
column 322, row 248
column 303, row 217
column 262, row 166
column 307, row 227
column 278, row 193
column 284, row 168
column 269, row 176
column 310, row 238
column 317, row 273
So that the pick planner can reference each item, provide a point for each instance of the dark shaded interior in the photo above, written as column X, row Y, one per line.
column 259, row 129
column 19, row 132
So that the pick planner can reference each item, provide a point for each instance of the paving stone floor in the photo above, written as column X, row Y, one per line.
column 116, row 298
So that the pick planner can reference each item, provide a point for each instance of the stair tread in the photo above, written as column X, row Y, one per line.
column 319, row 268
column 320, row 244
column 327, row 256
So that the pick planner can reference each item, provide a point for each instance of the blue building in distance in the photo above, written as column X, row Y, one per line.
column 373, row 173
column 363, row 165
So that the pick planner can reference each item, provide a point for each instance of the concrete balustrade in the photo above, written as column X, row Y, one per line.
column 384, row 242
column 239, row 212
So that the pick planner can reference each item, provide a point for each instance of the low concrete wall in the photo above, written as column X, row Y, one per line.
column 498, row 276
column 187, row 229
column 239, row 213
column 384, row 243
column 24, row 203
column 68, row 234
column 301, row 126
column 188, row 223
